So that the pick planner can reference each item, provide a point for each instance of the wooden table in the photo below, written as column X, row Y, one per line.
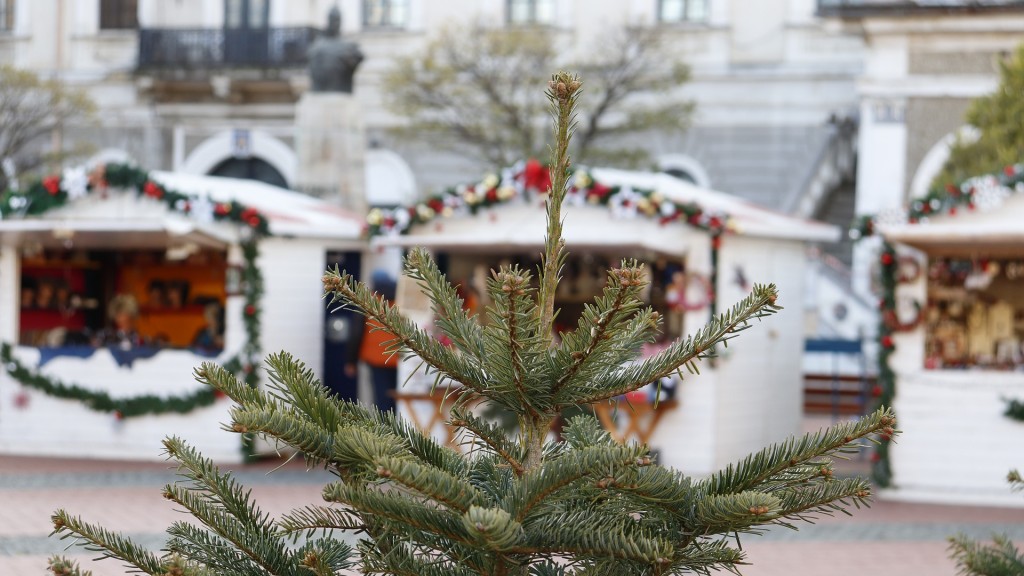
column 641, row 419
column 438, row 415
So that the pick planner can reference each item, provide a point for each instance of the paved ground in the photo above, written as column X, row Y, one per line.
column 889, row 538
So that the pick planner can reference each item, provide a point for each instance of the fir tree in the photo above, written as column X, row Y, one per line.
column 516, row 504
column 1000, row 133
column 1001, row 558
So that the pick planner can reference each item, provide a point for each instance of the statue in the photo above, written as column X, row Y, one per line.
column 333, row 61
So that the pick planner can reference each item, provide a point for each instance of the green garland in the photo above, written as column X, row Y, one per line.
column 53, row 192
column 885, row 389
column 101, row 401
column 1014, row 410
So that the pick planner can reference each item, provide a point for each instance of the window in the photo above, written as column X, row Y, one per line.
column 973, row 315
column 531, row 11
column 246, row 14
column 386, row 13
column 128, row 299
column 682, row 10
column 119, row 14
column 6, row 15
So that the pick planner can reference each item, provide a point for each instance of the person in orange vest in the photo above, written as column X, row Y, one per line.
column 369, row 345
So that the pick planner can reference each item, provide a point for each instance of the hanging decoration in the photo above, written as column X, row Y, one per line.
column 56, row 191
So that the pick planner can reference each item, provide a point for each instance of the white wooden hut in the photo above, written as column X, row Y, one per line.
column 121, row 242
column 752, row 395
column 956, row 368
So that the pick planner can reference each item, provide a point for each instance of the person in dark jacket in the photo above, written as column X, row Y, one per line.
column 369, row 345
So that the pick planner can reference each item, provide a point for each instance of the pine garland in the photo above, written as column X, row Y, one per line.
column 56, row 191
column 101, row 401
column 493, row 190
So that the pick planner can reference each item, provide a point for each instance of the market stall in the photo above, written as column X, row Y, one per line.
column 952, row 280
column 703, row 251
column 115, row 285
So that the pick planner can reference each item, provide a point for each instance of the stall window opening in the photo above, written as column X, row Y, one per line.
column 974, row 317
column 123, row 299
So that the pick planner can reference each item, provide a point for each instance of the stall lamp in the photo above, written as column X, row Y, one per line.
column 65, row 236
column 181, row 252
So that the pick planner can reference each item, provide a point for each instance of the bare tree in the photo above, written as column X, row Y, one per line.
column 30, row 110
column 475, row 91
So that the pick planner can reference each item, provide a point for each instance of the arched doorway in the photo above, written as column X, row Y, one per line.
column 250, row 169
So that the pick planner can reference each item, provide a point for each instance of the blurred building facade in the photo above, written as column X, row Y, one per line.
column 796, row 100
column 923, row 64
column 210, row 86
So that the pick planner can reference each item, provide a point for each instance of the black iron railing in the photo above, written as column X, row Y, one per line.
column 212, row 48
column 910, row 7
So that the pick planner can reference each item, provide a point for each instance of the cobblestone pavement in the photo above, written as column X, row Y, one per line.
column 890, row 537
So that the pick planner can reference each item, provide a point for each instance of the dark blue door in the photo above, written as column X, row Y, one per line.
column 337, row 333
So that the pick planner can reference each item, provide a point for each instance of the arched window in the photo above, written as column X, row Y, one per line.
column 681, row 174
column 685, row 168
column 250, row 169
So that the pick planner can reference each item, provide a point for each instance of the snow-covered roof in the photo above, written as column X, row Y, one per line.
column 520, row 225
column 748, row 218
column 289, row 213
column 998, row 227
column 143, row 220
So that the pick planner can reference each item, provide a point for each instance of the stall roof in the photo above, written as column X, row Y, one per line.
column 138, row 221
column 993, row 232
column 289, row 213
column 521, row 226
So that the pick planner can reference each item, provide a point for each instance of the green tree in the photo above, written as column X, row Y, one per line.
column 518, row 503
column 471, row 91
column 1001, row 558
column 1000, row 132
column 31, row 109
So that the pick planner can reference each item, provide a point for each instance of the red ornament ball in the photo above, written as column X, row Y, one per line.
column 152, row 189
column 876, row 391
column 222, row 209
column 21, row 400
column 219, row 394
column 876, row 457
column 887, row 259
column 887, row 342
column 52, row 184
column 250, row 310
column 118, row 415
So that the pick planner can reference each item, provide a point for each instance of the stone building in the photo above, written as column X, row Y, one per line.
column 210, row 86
column 923, row 64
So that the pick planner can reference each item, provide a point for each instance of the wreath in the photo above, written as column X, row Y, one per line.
column 908, row 269
column 706, row 290
column 892, row 319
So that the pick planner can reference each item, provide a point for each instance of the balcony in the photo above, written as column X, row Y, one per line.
column 213, row 49
column 862, row 8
